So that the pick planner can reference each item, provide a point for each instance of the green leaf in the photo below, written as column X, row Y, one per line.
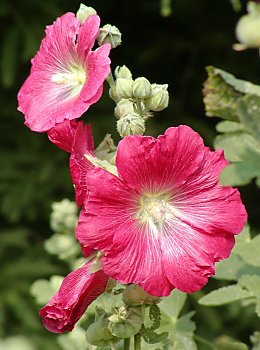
column 173, row 304
column 224, row 295
column 233, row 268
column 249, row 251
column 44, row 290
column 249, row 115
column 251, row 283
column 228, row 126
column 244, row 153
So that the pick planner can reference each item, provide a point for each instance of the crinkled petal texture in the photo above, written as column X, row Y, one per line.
column 78, row 290
column 66, row 76
column 166, row 220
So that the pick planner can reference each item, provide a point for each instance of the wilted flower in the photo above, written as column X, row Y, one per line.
column 77, row 291
column 66, row 76
column 165, row 220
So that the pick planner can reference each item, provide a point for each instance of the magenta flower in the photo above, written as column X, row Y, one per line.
column 66, row 76
column 165, row 221
column 78, row 290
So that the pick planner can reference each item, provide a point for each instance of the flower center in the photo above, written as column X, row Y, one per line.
column 155, row 210
column 73, row 79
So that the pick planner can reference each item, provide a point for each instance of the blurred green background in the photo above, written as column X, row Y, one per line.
column 34, row 173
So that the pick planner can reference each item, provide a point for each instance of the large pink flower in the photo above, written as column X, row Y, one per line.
column 78, row 290
column 66, row 76
column 166, row 220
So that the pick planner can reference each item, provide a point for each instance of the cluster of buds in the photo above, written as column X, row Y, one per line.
column 135, row 99
column 107, row 34
column 122, row 322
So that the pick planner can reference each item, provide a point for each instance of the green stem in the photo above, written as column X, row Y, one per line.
column 137, row 342
column 110, row 80
column 127, row 344
column 204, row 341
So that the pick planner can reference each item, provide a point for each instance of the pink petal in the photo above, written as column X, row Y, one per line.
column 170, row 159
column 78, row 290
column 98, row 68
column 79, row 165
column 63, row 134
column 87, row 35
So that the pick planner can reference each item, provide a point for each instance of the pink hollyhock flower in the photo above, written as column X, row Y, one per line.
column 66, row 76
column 165, row 221
column 78, row 290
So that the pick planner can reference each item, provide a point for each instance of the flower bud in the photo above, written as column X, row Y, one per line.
column 134, row 295
column 124, row 88
column 109, row 34
column 84, row 12
column 131, row 124
column 159, row 99
column 142, row 88
column 123, row 108
column 248, row 30
column 98, row 333
column 123, row 72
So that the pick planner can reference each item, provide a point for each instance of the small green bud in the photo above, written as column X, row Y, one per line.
column 159, row 99
column 84, row 12
column 142, row 88
column 123, row 72
column 248, row 30
column 109, row 34
column 134, row 295
column 131, row 124
column 124, row 88
column 113, row 95
column 64, row 216
column 98, row 333
column 123, row 108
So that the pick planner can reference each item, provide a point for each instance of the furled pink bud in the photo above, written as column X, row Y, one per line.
column 77, row 291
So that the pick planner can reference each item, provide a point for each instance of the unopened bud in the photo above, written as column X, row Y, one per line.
column 124, row 88
column 123, row 72
column 84, row 12
column 123, row 108
column 98, row 333
column 134, row 295
column 248, row 30
column 131, row 124
column 142, row 88
column 109, row 34
column 159, row 99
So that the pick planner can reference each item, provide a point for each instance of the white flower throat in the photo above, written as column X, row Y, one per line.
column 74, row 78
column 155, row 210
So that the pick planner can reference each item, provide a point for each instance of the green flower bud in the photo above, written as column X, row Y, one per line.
column 124, row 88
column 123, row 108
column 248, row 30
column 126, row 321
column 98, row 333
column 159, row 99
column 84, row 12
column 123, row 72
column 134, row 295
column 109, row 34
column 142, row 88
column 131, row 124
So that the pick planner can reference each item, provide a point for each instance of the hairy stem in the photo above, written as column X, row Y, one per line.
column 127, row 344
column 137, row 342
